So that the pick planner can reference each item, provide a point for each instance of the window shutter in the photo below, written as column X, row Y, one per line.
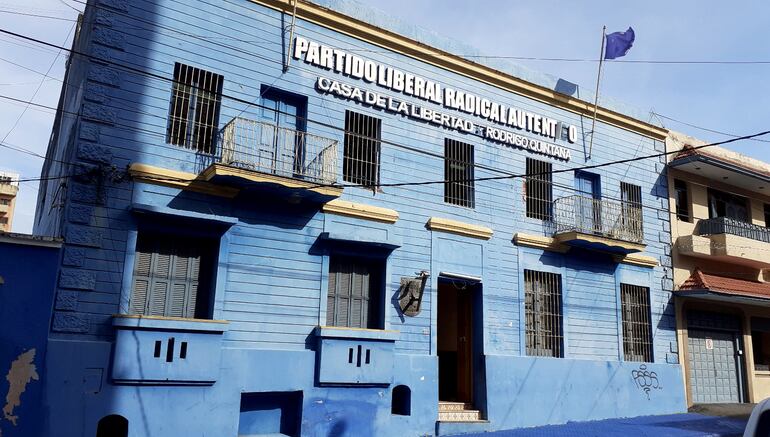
column 345, row 280
column 166, row 278
column 141, row 285
column 348, row 298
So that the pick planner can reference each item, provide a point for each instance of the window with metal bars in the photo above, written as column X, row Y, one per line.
column 631, row 195
column 172, row 276
column 543, row 313
column 361, row 156
column 353, row 299
column 194, row 108
column 637, row 329
column 538, row 189
column 459, row 187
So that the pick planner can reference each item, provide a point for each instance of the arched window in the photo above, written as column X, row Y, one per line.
column 401, row 404
column 113, row 425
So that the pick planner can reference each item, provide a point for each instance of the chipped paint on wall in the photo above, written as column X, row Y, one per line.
column 22, row 371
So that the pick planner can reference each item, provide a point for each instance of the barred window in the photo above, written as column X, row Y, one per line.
column 195, row 104
column 543, row 312
column 637, row 329
column 538, row 189
column 682, row 200
column 353, row 299
column 361, row 160
column 631, row 195
column 172, row 276
column 458, row 173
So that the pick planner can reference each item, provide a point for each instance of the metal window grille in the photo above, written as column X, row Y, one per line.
column 458, row 173
column 361, row 160
column 637, row 329
column 538, row 189
column 631, row 195
column 682, row 200
column 169, row 277
column 353, row 298
column 543, row 312
column 194, row 113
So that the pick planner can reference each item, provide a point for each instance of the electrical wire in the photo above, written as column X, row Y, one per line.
column 40, row 85
column 395, row 184
column 411, row 183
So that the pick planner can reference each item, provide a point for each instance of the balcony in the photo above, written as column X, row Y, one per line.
column 599, row 224
column 166, row 350
column 288, row 162
column 8, row 189
column 728, row 240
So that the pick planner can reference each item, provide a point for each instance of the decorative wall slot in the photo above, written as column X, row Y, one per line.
column 359, row 354
column 170, row 350
column 157, row 348
column 183, row 350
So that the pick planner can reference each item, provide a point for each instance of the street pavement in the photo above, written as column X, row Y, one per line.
column 673, row 425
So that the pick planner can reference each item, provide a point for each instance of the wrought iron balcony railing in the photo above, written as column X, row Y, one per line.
column 725, row 225
column 267, row 148
column 606, row 218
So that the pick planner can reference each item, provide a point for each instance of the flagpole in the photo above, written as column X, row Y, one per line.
column 596, row 94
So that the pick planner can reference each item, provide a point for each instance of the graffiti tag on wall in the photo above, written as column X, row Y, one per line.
column 646, row 380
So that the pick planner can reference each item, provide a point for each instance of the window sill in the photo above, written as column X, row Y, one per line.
column 356, row 333
column 762, row 373
column 130, row 321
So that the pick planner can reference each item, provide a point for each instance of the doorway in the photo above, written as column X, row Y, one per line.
column 456, row 340
column 588, row 209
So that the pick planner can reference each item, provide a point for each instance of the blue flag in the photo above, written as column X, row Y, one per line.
column 618, row 44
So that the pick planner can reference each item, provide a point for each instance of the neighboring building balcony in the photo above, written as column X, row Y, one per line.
column 258, row 154
column 8, row 189
column 728, row 240
column 601, row 224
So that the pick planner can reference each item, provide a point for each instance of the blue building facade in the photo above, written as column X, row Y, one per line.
column 317, row 221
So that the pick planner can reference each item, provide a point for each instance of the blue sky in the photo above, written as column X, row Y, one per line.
column 727, row 98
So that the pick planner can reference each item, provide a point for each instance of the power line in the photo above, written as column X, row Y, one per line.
column 49, row 17
column 40, row 85
column 314, row 121
column 705, row 128
column 250, row 103
column 69, row 6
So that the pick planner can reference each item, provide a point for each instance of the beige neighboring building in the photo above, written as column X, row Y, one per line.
column 9, row 188
column 720, row 213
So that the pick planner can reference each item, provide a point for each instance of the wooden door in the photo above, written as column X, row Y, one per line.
column 465, row 345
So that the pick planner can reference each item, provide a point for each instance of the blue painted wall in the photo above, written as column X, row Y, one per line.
column 271, row 277
column 27, row 283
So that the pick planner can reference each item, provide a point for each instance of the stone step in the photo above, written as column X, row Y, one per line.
column 459, row 416
column 453, row 406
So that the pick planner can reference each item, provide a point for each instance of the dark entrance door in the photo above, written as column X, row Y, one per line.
column 455, row 341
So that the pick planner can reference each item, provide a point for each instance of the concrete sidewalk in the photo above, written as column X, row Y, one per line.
column 674, row 425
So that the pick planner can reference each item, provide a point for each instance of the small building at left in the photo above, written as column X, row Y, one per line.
column 28, row 267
